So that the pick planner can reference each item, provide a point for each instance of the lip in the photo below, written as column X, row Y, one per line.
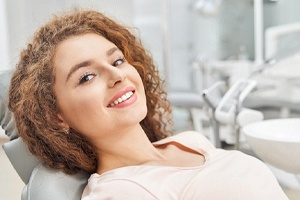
column 121, row 93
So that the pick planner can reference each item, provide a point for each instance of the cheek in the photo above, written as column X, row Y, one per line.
column 135, row 76
column 80, row 108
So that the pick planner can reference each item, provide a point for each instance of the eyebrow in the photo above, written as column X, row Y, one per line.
column 87, row 63
column 78, row 66
column 111, row 51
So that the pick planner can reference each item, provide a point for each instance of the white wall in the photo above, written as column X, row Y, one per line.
column 148, row 19
column 24, row 17
column 4, row 40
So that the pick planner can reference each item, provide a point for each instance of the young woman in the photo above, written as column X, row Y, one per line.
column 86, row 96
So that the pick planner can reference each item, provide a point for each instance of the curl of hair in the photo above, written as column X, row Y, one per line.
column 33, row 101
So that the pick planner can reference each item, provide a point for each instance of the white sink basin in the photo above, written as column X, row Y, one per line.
column 276, row 142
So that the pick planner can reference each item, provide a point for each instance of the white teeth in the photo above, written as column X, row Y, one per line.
column 121, row 99
column 124, row 97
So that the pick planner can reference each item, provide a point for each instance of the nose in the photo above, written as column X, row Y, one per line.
column 116, row 76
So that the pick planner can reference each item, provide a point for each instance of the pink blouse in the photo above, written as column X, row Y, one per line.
column 226, row 175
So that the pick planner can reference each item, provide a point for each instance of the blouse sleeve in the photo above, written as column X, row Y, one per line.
column 117, row 189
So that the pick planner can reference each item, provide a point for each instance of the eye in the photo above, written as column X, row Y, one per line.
column 119, row 62
column 86, row 78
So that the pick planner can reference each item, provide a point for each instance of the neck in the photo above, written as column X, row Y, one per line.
column 127, row 148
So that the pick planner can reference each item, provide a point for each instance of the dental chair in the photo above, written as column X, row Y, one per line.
column 40, row 182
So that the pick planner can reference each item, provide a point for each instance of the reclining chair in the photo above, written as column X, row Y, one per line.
column 40, row 181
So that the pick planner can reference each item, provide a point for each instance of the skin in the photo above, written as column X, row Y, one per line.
column 91, row 73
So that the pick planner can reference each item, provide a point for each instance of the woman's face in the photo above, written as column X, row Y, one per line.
column 98, row 92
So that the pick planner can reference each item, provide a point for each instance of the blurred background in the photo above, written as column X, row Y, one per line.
column 195, row 43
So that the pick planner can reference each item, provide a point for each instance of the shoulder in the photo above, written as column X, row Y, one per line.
column 191, row 135
column 243, row 163
column 114, row 189
column 186, row 136
column 191, row 139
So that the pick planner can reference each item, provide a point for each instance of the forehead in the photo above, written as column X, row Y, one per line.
column 83, row 40
column 79, row 47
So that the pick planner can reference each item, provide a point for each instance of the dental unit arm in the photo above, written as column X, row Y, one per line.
column 211, row 104
column 229, row 108
column 230, row 111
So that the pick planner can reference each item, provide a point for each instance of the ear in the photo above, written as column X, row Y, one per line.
column 62, row 122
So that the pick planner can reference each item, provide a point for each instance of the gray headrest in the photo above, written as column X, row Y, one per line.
column 6, row 117
column 21, row 159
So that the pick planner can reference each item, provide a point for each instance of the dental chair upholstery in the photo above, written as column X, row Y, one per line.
column 40, row 181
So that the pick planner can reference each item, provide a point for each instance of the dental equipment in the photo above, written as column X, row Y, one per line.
column 230, row 105
column 278, row 56
column 230, row 111
column 212, row 104
column 281, row 79
column 272, row 35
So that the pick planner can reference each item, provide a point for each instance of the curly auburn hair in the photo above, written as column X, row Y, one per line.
column 33, row 101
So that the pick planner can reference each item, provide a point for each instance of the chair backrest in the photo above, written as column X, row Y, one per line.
column 40, row 181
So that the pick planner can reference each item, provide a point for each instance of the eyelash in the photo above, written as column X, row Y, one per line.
column 83, row 80
column 120, row 59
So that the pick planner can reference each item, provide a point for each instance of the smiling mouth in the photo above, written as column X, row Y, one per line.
column 121, row 99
